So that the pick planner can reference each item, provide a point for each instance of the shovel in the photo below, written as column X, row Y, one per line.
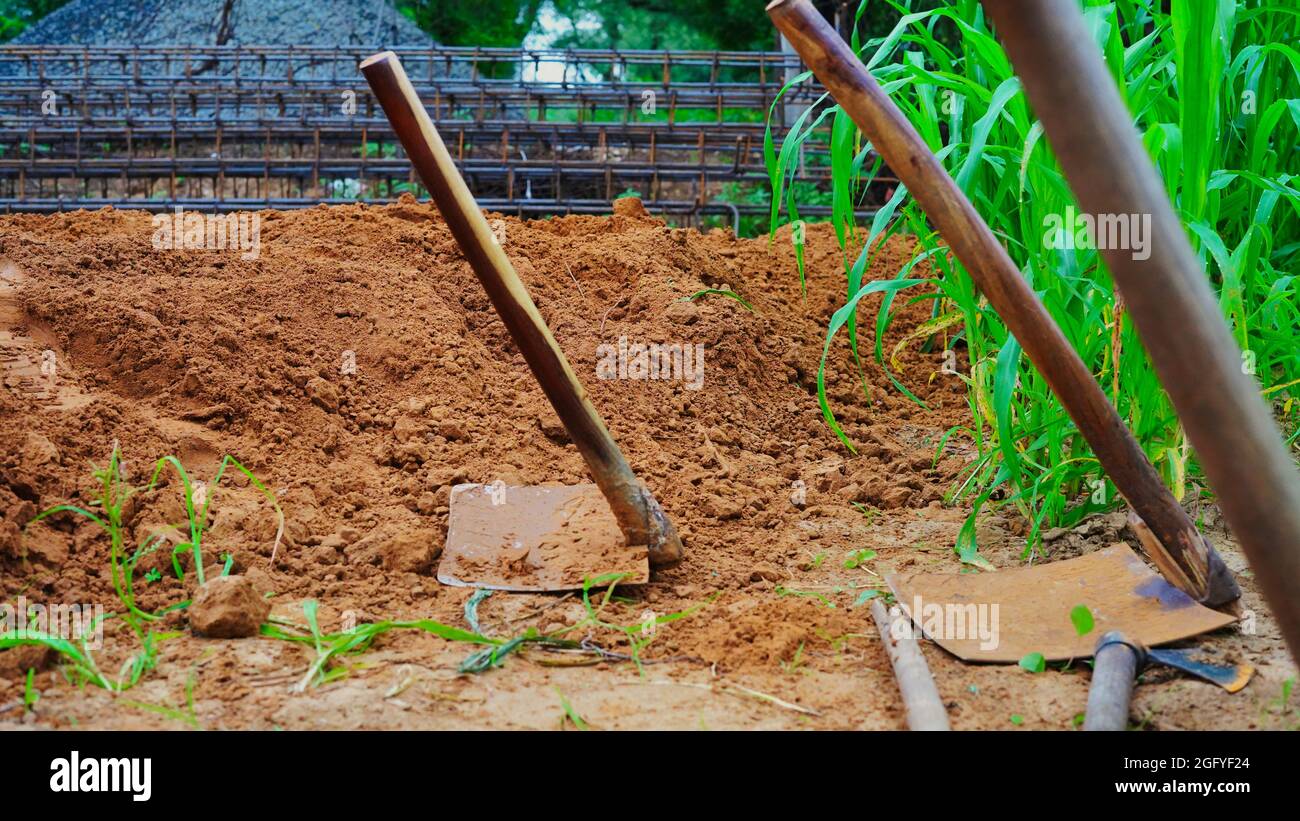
column 1007, row 615
column 528, row 538
column 1181, row 553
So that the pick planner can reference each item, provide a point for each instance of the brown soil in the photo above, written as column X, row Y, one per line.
column 202, row 354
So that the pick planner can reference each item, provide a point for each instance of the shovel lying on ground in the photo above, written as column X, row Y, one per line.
column 1007, row 615
column 527, row 538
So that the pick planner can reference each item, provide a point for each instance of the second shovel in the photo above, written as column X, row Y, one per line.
column 527, row 538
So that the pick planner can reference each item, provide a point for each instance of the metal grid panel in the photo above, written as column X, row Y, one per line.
column 534, row 131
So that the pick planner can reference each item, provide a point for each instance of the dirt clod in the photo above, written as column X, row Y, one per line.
column 411, row 551
column 323, row 393
column 682, row 312
column 228, row 607
column 630, row 207
column 16, row 661
column 37, row 450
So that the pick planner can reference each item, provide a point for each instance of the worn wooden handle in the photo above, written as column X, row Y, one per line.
column 1167, row 294
column 1115, row 666
column 1186, row 559
column 925, row 708
column 639, row 514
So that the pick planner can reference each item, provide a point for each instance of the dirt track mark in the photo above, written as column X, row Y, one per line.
column 30, row 363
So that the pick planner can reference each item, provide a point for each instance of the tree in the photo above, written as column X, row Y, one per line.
column 17, row 15
column 474, row 22
column 738, row 25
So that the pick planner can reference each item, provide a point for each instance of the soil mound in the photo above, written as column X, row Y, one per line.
column 357, row 367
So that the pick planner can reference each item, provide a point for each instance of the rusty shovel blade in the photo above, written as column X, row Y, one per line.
column 535, row 539
column 1006, row 615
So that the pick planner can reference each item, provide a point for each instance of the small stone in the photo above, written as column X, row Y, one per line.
column 323, row 393
column 630, row 207
column 410, row 552
column 228, row 607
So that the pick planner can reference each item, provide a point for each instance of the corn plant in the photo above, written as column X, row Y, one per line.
column 1214, row 90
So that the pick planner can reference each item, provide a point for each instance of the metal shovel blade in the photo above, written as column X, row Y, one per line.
column 1231, row 677
column 1006, row 615
column 533, row 539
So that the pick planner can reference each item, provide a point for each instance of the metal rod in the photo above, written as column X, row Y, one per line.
column 1114, row 670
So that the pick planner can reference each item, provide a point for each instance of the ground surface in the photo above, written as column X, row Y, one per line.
column 202, row 354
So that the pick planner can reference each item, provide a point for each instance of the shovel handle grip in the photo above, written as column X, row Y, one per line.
column 1116, row 663
column 638, row 513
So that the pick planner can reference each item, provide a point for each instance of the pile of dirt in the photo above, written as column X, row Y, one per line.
column 357, row 369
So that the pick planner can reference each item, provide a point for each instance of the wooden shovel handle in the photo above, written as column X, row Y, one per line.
column 1116, row 663
column 639, row 515
column 1182, row 554
column 1167, row 294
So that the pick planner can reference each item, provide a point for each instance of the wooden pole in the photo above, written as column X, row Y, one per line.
column 925, row 710
column 1114, row 672
column 1185, row 558
column 639, row 515
column 1167, row 294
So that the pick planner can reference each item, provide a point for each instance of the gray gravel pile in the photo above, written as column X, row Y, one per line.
column 351, row 25
column 251, row 22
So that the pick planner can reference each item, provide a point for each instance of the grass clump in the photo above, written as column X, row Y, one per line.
column 112, row 492
column 332, row 648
